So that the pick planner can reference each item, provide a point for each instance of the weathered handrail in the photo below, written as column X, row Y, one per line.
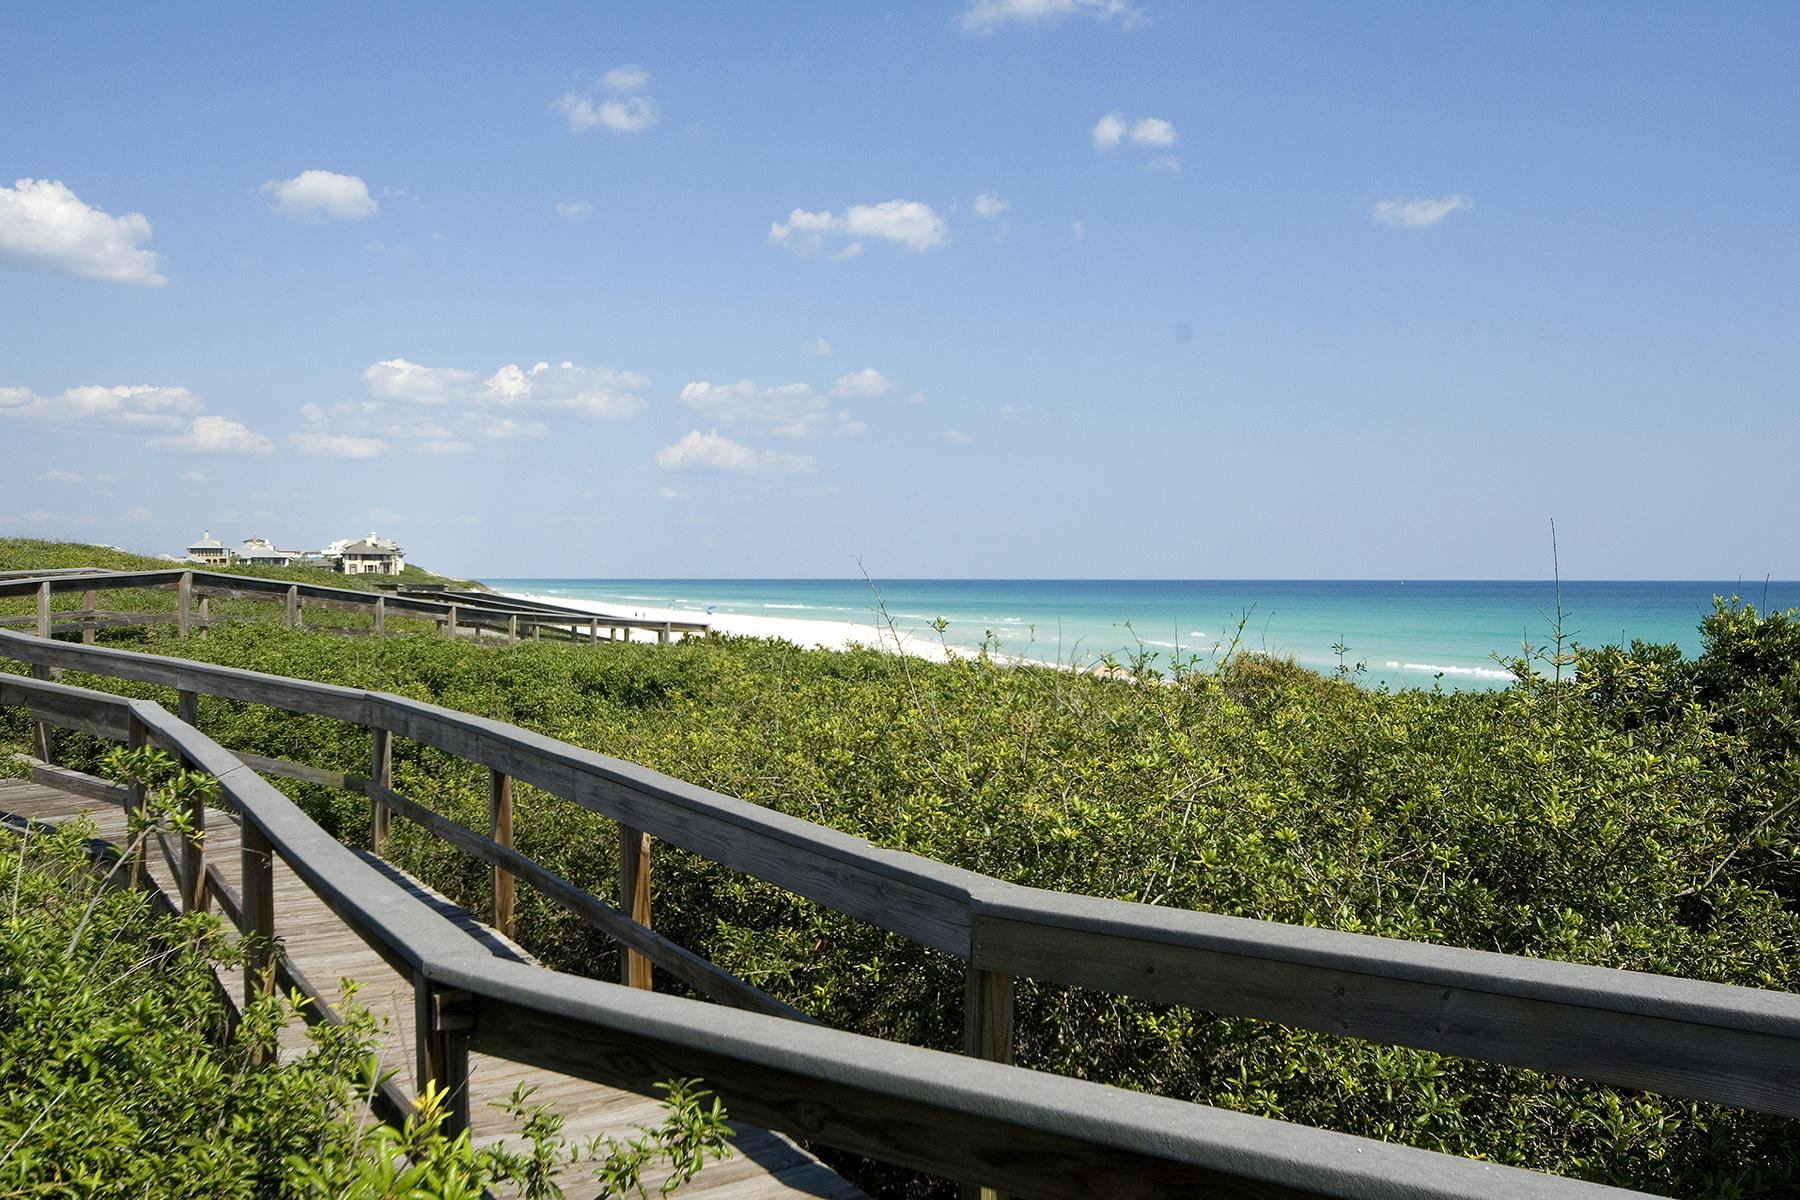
column 513, row 618
column 998, row 1125
column 1732, row 1045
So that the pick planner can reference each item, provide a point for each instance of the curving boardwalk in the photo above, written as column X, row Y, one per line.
column 764, row 1164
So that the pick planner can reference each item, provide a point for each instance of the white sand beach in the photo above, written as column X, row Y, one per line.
column 829, row 635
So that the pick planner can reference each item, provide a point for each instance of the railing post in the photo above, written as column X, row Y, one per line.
column 442, row 1019
column 89, row 599
column 594, row 632
column 259, row 912
column 136, row 737
column 381, row 771
column 450, row 623
column 634, row 898
column 196, row 896
column 512, row 629
column 187, row 707
column 500, row 828
column 662, row 635
column 380, row 615
column 41, row 729
column 205, row 607
column 988, row 1034
column 43, row 609
column 184, row 591
column 293, row 606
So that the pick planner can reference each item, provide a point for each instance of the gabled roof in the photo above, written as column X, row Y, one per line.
column 368, row 547
column 207, row 542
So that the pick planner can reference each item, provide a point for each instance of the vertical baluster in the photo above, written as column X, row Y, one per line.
column 259, row 911
column 89, row 599
column 184, row 592
column 381, row 771
column 634, row 898
column 442, row 1019
column 500, row 828
column 987, row 1033
column 293, row 606
column 380, row 615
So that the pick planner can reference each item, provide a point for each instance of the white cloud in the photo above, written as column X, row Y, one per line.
column 1420, row 213
column 628, row 78
column 322, row 195
column 397, row 379
column 443, row 446
column 579, row 210
column 665, row 492
column 709, row 451
column 1109, row 131
column 1008, row 413
column 213, row 435
column 192, row 477
column 860, row 385
column 598, row 392
column 331, row 445
column 991, row 207
column 59, row 477
column 911, row 223
column 623, row 111
column 985, row 16
column 140, row 407
column 1077, row 230
column 140, row 516
column 46, row 227
column 818, row 347
column 1164, row 162
column 1152, row 132
column 957, row 437
column 789, row 410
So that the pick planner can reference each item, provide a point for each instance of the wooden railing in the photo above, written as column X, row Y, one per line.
column 467, row 616
column 981, row 1121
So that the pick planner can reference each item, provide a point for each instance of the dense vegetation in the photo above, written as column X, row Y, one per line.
column 1636, row 813
column 123, row 1074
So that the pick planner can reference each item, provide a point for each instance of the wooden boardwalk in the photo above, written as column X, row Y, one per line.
column 763, row 1164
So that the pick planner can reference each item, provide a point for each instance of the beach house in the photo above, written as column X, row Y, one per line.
column 209, row 550
column 369, row 555
column 260, row 552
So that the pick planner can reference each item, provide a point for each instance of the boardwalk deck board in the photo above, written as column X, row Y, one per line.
column 764, row 1164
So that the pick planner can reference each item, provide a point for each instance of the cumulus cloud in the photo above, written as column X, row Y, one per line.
column 1152, row 132
column 1420, row 213
column 818, row 347
column 985, row 16
column 46, row 227
column 397, row 379
column 911, row 223
column 621, row 109
column 665, row 492
column 213, row 435
column 710, row 452
column 1164, row 162
column 1109, row 131
column 863, row 384
column 957, row 437
column 991, row 207
column 320, row 196
column 576, row 211
column 788, row 410
column 599, row 392
column 1146, row 133
column 130, row 408
column 59, row 477
column 192, row 477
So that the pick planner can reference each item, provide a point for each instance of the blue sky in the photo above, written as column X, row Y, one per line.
column 1039, row 288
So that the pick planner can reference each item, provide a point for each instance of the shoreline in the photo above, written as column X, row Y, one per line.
column 809, row 633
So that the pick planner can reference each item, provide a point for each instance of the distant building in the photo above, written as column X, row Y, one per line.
column 209, row 550
column 369, row 555
column 259, row 552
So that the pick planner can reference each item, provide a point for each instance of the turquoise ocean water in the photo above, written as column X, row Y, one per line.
column 1412, row 633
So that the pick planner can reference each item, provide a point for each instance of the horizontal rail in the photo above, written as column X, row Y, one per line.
column 485, row 614
column 1732, row 1045
column 996, row 1125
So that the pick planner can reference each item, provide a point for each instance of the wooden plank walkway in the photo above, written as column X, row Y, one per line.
column 763, row 1164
